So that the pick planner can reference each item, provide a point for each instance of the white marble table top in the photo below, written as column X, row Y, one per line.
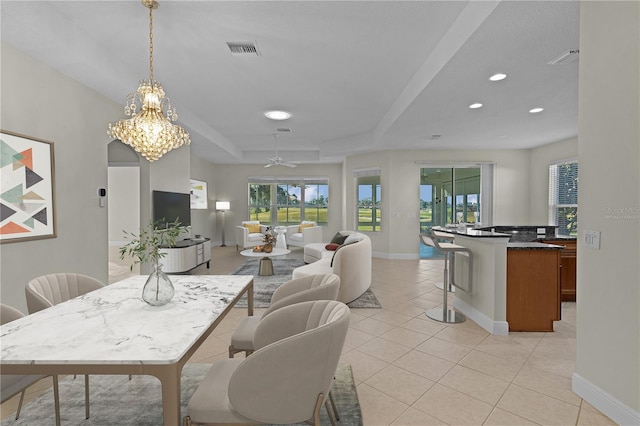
column 275, row 252
column 113, row 325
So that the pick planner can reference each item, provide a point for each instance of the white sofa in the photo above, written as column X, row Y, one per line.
column 312, row 234
column 351, row 262
column 246, row 239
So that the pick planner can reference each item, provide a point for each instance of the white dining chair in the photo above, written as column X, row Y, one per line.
column 48, row 290
column 12, row 384
column 287, row 379
column 312, row 287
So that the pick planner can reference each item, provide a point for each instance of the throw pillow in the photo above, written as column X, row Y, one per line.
column 332, row 246
column 338, row 238
column 353, row 238
column 304, row 225
column 253, row 228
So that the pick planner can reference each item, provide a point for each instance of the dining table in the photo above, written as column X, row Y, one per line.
column 113, row 331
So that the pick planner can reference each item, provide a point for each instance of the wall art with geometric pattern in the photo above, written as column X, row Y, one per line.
column 27, row 188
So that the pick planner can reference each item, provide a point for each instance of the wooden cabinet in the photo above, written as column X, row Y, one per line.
column 568, row 257
column 533, row 289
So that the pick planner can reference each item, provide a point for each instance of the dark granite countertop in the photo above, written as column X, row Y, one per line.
column 533, row 246
column 518, row 226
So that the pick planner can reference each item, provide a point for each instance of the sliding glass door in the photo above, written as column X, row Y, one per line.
column 448, row 195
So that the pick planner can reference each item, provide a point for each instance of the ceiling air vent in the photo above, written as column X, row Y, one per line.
column 243, row 48
column 283, row 129
column 570, row 55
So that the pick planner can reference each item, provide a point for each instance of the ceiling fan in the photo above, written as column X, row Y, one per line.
column 278, row 161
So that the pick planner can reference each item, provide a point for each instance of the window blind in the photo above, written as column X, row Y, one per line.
column 563, row 196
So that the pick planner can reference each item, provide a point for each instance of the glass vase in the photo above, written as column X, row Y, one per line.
column 158, row 290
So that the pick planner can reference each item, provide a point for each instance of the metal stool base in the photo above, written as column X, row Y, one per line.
column 441, row 286
column 451, row 317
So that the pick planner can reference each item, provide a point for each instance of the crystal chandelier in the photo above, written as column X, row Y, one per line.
column 148, row 131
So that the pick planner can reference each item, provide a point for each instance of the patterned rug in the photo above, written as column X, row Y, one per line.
column 115, row 400
column 264, row 286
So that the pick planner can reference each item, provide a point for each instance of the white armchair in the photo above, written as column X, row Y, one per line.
column 306, row 233
column 247, row 238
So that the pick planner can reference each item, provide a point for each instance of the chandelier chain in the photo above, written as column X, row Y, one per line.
column 151, row 41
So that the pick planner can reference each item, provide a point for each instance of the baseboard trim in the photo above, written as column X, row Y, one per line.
column 499, row 328
column 395, row 256
column 603, row 401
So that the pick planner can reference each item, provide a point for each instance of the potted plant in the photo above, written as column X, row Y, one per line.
column 269, row 240
column 145, row 248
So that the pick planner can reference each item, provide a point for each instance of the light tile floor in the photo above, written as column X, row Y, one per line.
column 410, row 370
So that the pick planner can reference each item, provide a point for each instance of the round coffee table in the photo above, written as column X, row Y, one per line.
column 266, row 265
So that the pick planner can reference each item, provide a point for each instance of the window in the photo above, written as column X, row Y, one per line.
column 563, row 197
column 287, row 201
column 288, row 206
column 260, row 202
column 449, row 195
column 316, row 206
column 369, row 200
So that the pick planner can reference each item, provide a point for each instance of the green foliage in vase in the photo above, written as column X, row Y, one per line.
column 145, row 247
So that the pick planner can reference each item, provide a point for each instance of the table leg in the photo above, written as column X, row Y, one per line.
column 250, row 299
column 56, row 398
column 169, row 376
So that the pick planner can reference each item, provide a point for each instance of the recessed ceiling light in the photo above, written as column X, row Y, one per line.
column 536, row 110
column 498, row 77
column 476, row 105
column 277, row 115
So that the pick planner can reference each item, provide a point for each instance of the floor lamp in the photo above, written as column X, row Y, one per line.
column 223, row 206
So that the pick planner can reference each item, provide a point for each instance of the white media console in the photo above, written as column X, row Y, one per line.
column 186, row 255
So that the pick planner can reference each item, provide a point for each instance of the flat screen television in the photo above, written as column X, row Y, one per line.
column 169, row 206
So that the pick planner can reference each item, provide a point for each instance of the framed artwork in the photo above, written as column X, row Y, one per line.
column 27, row 188
column 199, row 195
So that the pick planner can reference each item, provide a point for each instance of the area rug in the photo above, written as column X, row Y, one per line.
column 115, row 400
column 264, row 286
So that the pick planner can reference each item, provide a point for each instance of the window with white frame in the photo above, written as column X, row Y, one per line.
column 288, row 200
column 563, row 197
column 369, row 196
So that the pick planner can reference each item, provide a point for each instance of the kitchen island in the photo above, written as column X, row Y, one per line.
column 515, row 285
column 486, row 302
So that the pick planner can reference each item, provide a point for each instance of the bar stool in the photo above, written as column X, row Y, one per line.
column 446, row 315
column 449, row 239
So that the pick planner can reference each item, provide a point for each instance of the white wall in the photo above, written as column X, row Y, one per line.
column 40, row 102
column 400, row 178
column 608, row 297
column 204, row 222
column 123, row 201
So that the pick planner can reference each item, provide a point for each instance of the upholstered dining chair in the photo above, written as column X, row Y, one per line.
column 12, row 384
column 48, row 290
column 288, row 377
column 313, row 287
